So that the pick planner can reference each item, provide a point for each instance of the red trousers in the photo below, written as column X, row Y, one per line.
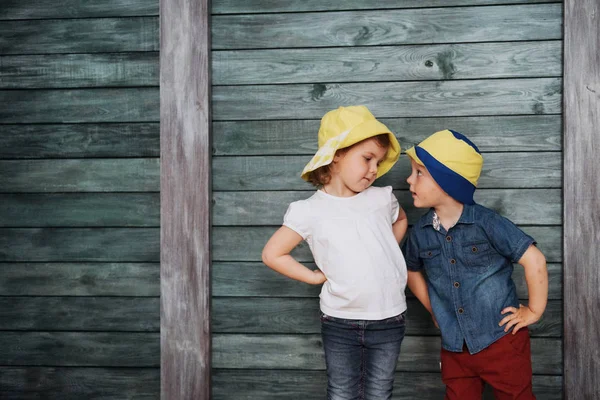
column 505, row 365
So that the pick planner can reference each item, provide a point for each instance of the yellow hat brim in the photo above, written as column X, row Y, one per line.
column 367, row 129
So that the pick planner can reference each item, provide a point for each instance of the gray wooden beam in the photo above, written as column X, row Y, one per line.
column 581, row 198
column 185, row 199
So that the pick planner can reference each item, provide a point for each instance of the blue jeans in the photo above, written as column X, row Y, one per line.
column 361, row 356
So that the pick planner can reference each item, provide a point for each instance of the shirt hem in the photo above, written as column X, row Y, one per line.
column 364, row 316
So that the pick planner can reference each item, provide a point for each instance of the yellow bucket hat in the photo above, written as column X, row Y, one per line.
column 453, row 161
column 344, row 127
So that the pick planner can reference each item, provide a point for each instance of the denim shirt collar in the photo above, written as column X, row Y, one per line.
column 467, row 216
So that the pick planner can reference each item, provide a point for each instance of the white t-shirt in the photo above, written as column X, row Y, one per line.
column 352, row 242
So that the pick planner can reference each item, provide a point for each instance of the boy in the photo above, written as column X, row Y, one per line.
column 467, row 252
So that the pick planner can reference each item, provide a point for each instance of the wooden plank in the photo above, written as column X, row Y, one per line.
column 141, row 314
column 242, row 243
column 80, row 175
column 79, row 244
column 80, row 140
column 254, row 279
column 85, row 349
column 80, row 279
column 185, row 246
column 79, row 70
column 500, row 170
column 80, row 210
column 79, row 105
column 490, row 133
column 311, row 385
column 89, row 35
column 388, row 63
column 301, row 316
column 262, row 6
column 581, row 199
column 522, row 206
column 31, row 9
column 46, row 383
column 389, row 27
column 106, row 314
column 419, row 353
column 390, row 99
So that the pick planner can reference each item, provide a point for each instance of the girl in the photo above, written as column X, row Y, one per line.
column 353, row 231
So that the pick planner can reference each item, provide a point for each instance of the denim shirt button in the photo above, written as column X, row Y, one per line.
column 474, row 249
column 448, row 239
column 456, row 284
column 461, row 310
column 452, row 261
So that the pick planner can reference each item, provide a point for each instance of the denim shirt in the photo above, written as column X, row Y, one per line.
column 469, row 273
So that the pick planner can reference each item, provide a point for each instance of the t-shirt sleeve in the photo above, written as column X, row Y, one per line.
column 507, row 238
column 394, row 206
column 410, row 249
column 296, row 219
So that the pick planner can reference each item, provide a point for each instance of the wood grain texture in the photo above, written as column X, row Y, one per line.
column 299, row 137
column 500, row 170
column 301, row 316
column 254, row 279
column 185, row 247
column 79, row 70
column 522, row 206
column 80, row 210
column 80, row 279
column 79, row 105
column 388, row 63
column 419, row 353
column 31, row 9
column 80, row 140
column 242, row 243
column 311, row 385
column 390, row 99
column 79, row 244
column 88, row 35
column 80, row 175
column 262, row 6
column 390, row 27
column 64, row 383
column 105, row 314
column 83, row 349
column 581, row 199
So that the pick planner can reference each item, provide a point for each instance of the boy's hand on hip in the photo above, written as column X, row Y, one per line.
column 318, row 277
column 519, row 318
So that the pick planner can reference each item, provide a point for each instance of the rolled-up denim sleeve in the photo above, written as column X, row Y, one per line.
column 410, row 249
column 508, row 239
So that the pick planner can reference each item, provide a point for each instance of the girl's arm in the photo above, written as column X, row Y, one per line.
column 276, row 256
column 536, row 276
column 399, row 227
column 418, row 286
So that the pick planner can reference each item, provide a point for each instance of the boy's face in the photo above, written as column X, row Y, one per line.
column 426, row 193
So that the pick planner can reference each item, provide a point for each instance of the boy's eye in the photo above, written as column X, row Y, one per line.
column 367, row 158
column 419, row 173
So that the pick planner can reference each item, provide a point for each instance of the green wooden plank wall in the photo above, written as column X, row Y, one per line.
column 79, row 189
column 79, row 175
column 491, row 69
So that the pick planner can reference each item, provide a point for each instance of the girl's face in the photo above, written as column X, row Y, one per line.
column 356, row 169
column 425, row 191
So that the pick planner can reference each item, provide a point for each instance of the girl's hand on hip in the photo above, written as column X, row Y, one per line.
column 318, row 277
column 519, row 318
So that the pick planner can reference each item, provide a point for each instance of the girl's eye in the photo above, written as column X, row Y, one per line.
column 419, row 173
column 367, row 158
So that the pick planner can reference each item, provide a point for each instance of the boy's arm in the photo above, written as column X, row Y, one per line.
column 400, row 226
column 536, row 275
column 276, row 256
column 418, row 286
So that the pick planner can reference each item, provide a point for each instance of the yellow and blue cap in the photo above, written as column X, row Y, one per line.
column 453, row 161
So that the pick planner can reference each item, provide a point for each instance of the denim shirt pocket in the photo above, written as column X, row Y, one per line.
column 432, row 262
column 477, row 255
